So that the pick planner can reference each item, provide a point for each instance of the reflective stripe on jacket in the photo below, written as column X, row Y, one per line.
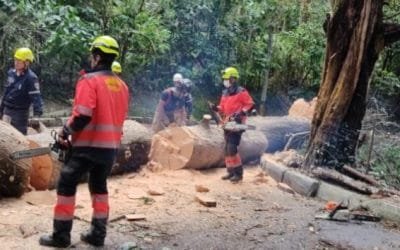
column 104, row 97
column 21, row 91
column 235, row 100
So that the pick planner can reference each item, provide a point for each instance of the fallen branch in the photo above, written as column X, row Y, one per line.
column 358, row 175
column 333, row 175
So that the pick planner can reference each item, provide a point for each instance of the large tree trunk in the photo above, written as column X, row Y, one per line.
column 135, row 147
column 14, row 174
column 201, row 147
column 354, row 40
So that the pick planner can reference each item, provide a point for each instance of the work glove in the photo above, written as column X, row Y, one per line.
column 63, row 137
column 238, row 116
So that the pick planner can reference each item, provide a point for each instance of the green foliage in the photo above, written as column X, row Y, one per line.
column 386, row 82
column 386, row 163
column 298, row 56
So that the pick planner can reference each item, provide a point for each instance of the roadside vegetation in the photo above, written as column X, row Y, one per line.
column 277, row 45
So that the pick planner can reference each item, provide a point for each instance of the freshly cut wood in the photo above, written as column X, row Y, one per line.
column 135, row 147
column 278, row 130
column 303, row 108
column 42, row 169
column 14, row 174
column 206, row 200
column 200, row 147
column 44, row 139
column 135, row 217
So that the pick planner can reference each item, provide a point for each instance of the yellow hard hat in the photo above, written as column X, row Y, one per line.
column 107, row 44
column 116, row 67
column 230, row 72
column 24, row 54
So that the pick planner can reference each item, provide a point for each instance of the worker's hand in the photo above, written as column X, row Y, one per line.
column 238, row 116
column 63, row 135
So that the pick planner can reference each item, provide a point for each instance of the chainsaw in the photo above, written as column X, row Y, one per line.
column 236, row 127
column 62, row 151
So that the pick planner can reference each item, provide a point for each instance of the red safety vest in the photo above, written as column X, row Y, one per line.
column 236, row 102
column 104, row 97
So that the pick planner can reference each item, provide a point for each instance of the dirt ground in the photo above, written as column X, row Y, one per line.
column 254, row 214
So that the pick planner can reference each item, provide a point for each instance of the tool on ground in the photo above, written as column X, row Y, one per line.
column 62, row 151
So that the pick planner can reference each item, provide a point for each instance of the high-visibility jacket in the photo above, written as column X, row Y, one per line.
column 235, row 99
column 104, row 97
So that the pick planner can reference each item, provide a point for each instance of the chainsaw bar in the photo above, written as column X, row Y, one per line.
column 236, row 127
column 22, row 154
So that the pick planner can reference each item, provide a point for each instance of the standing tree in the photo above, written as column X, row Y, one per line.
column 356, row 34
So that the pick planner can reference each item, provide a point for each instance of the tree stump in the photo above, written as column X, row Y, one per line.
column 14, row 174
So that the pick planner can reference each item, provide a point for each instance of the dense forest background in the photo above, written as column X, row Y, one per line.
column 275, row 43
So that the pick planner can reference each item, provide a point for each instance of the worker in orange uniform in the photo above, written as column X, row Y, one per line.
column 234, row 105
column 95, row 126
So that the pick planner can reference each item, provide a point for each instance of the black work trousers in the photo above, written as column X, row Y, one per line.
column 96, row 162
column 232, row 141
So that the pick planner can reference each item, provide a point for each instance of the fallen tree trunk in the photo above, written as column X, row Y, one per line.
column 134, row 149
column 14, row 174
column 278, row 130
column 200, row 147
column 338, row 178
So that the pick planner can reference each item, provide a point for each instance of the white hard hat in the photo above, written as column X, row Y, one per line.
column 177, row 78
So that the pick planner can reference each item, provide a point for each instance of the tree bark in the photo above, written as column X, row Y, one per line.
column 263, row 104
column 355, row 38
column 14, row 174
column 201, row 147
column 134, row 149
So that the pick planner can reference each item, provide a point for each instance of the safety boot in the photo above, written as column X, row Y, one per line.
column 61, row 236
column 96, row 234
column 237, row 175
column 229, row 175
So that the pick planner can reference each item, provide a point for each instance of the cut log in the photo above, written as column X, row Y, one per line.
column 135, row 148
column 14, row 174
column 201, row 147
column 338, row 178
column 303, row 108
column 41, row 171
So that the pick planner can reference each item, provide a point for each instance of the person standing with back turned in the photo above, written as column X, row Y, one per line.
column 95, row 126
